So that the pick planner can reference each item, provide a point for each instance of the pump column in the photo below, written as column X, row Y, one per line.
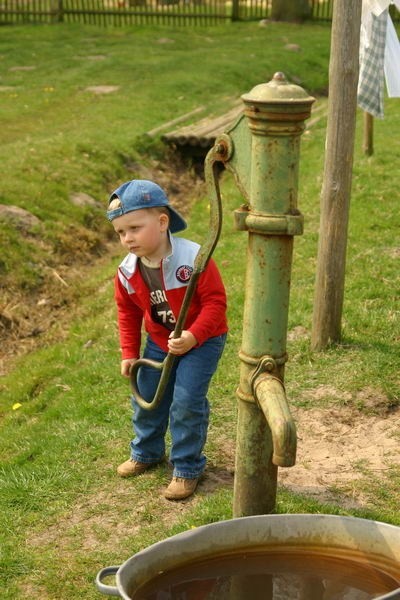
column 275, row 113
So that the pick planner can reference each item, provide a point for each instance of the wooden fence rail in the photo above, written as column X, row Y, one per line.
column 130, row 12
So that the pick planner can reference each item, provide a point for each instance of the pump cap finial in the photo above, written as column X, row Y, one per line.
column 277, row 91
column 280, row 77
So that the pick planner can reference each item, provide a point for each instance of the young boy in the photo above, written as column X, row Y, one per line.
column 150, row 286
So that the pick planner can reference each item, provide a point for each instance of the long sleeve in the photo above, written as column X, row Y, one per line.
column 211, row 299
column 130, row 317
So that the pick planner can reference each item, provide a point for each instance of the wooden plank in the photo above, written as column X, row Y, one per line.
column 204, row 132
column 175, row 121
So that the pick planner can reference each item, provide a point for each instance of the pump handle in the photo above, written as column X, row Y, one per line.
column 203, row 256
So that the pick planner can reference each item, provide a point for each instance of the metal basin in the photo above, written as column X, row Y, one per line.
column 229, row 560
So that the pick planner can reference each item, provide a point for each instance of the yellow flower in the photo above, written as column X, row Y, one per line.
column 16, row 406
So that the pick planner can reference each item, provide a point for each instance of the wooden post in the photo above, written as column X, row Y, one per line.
column 368, row 134
column 61, row 11
column 235, row 10
column 290, row 10
column 336, row 188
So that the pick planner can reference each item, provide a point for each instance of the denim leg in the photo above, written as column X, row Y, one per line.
column 189, row 412
column 148, row 445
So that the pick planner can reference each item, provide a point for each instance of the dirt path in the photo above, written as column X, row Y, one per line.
column 339, row 447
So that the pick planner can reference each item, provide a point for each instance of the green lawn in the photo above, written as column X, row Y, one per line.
column 65, row 419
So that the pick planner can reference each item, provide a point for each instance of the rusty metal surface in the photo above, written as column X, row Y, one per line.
column 264, row 158
column 271, row 397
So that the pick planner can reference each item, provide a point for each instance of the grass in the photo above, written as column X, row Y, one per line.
column 93, row 137
column 64, row 408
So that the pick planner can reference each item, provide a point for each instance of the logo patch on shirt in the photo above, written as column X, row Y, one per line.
column 184, row 273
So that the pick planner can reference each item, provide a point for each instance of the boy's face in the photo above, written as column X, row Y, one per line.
column 143, row 232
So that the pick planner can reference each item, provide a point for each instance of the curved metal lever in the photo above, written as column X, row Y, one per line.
column 216, row 154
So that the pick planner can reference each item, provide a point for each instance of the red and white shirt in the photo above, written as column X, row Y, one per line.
column 207, row 312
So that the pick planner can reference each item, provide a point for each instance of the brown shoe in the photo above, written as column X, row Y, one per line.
column 133, row 467
column 180, row 488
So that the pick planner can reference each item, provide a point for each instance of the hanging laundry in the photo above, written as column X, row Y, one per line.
column 379, row 56
column 392, row 60
column 372, row 60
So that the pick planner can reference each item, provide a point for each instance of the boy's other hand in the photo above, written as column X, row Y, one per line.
column 182, row 344
column 126, row 366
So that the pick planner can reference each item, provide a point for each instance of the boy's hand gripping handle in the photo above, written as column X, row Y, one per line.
column 216, row 154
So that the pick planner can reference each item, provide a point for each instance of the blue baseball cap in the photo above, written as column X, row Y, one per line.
column 141, row 193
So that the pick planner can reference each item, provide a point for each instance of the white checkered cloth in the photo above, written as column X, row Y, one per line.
column 392, row 61
column 372, row 58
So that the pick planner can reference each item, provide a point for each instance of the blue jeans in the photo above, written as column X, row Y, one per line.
column 184, row 406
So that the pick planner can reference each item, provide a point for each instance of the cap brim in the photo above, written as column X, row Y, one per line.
column 176, row 222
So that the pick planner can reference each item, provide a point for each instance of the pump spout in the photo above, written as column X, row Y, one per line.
column 271, row 397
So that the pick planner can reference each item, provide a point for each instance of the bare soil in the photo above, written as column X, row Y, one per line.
column 29, row 320
column 336, row 449
column 339, row 447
